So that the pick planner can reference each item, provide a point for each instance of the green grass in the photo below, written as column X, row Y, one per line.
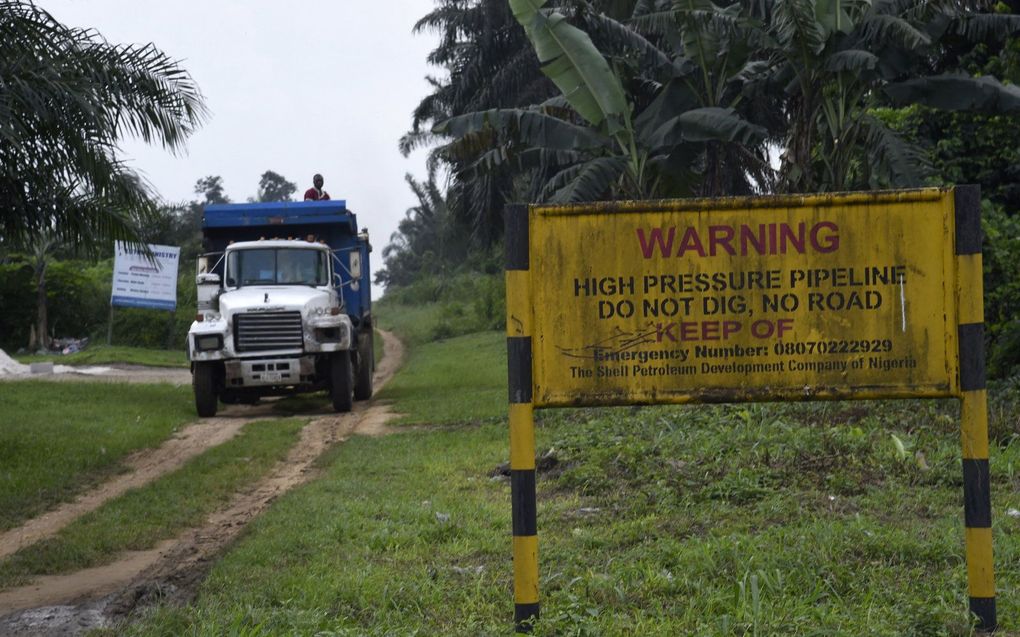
column 457, row 380
column 443, row 306
column 387, row 541
column 764, row 520
column 413, row 323
column 106, row 354
column 58, row 439
column 142, row 517
column 775, row 519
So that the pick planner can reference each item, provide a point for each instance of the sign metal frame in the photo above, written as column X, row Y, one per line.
column 963, row 335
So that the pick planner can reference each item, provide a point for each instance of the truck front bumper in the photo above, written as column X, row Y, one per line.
column 269, row 372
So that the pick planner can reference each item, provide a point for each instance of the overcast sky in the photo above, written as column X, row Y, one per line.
column 295, row 87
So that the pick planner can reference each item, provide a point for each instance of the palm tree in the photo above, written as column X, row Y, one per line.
column 67, row 99
column 488, row 64
column 595, row 144
column 40, row 253
column 427, row 239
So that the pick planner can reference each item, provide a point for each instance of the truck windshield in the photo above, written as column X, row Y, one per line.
column 277, row 266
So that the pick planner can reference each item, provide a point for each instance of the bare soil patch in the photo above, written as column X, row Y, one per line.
column 94, row 598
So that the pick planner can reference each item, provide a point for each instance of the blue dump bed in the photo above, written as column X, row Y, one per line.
column 328, row 221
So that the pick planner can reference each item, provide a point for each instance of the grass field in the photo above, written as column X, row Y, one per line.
column 708, row 521
column 57, row 439
column 413, row 323
column 142, row 517
column 457, row 380
column 791, row 519
column 106, row 354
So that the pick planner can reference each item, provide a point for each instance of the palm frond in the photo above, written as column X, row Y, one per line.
column 533, row 127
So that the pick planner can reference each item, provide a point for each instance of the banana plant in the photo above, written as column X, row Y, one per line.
column 840, row 59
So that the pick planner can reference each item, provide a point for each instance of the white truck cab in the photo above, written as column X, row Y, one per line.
column 273, row 325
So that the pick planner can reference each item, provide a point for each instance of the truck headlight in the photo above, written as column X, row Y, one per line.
column 208, row 342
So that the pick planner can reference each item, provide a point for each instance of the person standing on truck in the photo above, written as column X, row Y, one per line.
column 316, row 193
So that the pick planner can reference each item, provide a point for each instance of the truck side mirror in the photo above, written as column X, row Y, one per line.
column 208, row 291
column 356, row 265
column 208, row 278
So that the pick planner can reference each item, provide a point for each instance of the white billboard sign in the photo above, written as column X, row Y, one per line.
column 139, row 282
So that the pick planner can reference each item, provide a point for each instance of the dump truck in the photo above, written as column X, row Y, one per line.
column 284, row 305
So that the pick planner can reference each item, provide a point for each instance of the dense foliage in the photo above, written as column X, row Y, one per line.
column 77, row 291
column 566, row 100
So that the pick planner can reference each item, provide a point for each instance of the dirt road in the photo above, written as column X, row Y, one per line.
column 73, row 603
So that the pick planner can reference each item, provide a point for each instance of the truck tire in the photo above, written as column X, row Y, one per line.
column 341, row 382
column 203, row 380
column 366, row 365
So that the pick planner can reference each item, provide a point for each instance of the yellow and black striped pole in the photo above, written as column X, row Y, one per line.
column 522, row 418
column 977, row 499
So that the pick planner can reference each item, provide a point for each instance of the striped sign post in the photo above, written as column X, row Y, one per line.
column 800, row 297
column 522, row 420
column 977, row 499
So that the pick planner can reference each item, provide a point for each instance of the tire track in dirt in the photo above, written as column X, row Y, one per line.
column 173, row 569
column 144, row 466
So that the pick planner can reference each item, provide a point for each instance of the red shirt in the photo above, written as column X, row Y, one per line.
column 316, row 195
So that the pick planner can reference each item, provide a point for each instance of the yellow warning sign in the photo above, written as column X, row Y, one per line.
column 849, row 295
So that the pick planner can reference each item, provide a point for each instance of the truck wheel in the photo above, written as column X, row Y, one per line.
column 341, row 381
column 366, row 365
column 203, row 379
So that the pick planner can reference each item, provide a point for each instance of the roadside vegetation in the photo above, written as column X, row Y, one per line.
column 58, row 440
column 457, row 380
column 824, row 518
column 115, row 354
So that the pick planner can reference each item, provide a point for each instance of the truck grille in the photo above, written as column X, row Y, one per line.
column 267, row 331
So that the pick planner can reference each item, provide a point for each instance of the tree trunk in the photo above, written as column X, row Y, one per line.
column 41, row 327
column 795, row 173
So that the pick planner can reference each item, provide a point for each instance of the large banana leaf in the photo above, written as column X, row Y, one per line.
column 884, row 29
column 571, row 61
column 795, row 28
column 954, row 92
column 590, row 181
column 851, row 60
column 675, row 98
column 706, row 124
column 619, row 37
column 982, row 27
column 836, row 15
column 902, row 164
